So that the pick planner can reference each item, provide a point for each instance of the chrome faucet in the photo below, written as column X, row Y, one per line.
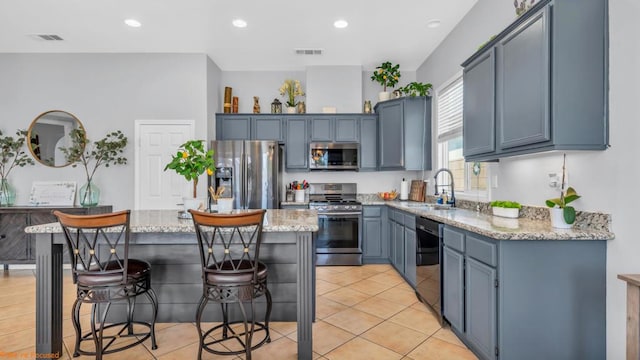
column 451, row 201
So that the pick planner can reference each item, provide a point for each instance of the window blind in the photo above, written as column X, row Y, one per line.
column 449, row 111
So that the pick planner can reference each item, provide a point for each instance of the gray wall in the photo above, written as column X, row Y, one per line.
column 607, row 180
column 106, row 92
column 334, row 86
column 214, row 97
column 264, row 84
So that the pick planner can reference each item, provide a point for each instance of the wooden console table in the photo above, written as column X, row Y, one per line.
column 633, row 315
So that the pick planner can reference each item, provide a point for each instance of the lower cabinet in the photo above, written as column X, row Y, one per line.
column 18, row 247
column 402, row 237
column 375, row 245
column 525, row 299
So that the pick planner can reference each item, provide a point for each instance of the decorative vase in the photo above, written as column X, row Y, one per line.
column 557, row 219
column 384, row 96
column 291, row 110
column 89, row 194
column 7, row 193
column 302, row 107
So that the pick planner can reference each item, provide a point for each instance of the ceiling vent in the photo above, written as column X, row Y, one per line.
column 308, row 51
column 47, row 37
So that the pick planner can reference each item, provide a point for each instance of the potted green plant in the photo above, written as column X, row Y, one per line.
column 508, row 209
column 386, row 74
column 11, row 155
column 563, row 215
column 106, row 151
column 417, row 89
column 191, row 161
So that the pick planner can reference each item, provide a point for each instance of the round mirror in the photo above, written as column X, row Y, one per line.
column 49, row 132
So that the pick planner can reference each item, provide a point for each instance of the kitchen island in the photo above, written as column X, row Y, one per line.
column 169, row 244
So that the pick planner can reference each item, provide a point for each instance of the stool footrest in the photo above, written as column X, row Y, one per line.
column 259, row 326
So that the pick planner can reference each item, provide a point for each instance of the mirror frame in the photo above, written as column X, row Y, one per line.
column 32, row 125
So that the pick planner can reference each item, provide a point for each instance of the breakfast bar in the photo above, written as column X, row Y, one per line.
column 169, row 245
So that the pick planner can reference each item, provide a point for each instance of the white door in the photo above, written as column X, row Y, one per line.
column 156, row 142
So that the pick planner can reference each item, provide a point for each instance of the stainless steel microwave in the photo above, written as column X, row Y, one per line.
column 333, row 156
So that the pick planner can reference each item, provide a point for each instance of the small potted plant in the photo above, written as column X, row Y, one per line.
column 291, row 89
column 386, row 74
column 562, row 215
column 11, row 155
column 106, row 151
column 508, row 209
column 415, row 88
column 191, row 161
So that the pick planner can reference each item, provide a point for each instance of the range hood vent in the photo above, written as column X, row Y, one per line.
column 309, row 51
column 47, row 37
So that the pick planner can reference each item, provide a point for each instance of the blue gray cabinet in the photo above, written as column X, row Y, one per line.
column 368, row 143
column 479, row 126
column 249, row 127
column 405, row 133
column 296, row 148
column 347, row 128
column 398, row 252
column 402, row 247
column 233, row 127
column 498, row 295
column 410, row 254
column 374, row 243
column 321, row 127
column 267, row 128
column 550, row 85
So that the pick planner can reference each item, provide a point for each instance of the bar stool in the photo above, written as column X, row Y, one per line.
column 103, row 273
column 229, row 247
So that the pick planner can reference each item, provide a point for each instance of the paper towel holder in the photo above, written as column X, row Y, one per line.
column 404, row 190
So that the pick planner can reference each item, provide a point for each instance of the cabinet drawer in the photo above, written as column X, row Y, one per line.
column 410, row 221
column 453, row 239
column 482, row 250
column 368, row 211
column 398, row 217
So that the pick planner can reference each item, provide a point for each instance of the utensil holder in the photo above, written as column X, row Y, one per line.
column 299, row 196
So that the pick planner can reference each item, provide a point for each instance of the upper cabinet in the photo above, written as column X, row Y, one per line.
column 249, row 127
column 405, row 133
column 540, row 85
column 331, row 128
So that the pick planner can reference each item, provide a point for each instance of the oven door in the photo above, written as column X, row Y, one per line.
column 338, row 233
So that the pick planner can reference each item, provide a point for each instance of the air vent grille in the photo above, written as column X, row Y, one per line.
column 47, row 37
column 308, row 51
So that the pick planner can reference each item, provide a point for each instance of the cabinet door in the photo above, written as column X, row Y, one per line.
column 296, row 148
column 267, row 128
column 372, row 237
column 347, row 129
column 391, row 148
column 410, row 255
column 322, row 128
column 233, row 127
column 523, row 84
column 399, row 247
column 479, row 126
column 453, row 287
column 481, row 307
column 13, row 239
column 416, row 113
column 368, row 143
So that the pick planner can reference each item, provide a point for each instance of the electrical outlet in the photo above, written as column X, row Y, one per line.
column 554, row 180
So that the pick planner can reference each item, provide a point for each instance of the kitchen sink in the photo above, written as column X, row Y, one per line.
column 428, row 206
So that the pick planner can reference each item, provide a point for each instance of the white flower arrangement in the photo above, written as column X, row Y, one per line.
column 291, row 88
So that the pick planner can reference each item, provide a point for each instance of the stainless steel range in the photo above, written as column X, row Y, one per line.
column 338, row 241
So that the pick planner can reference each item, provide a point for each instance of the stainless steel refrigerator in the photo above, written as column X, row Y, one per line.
column 250, row 171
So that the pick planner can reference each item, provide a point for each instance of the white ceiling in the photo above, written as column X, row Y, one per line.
column 379, row 30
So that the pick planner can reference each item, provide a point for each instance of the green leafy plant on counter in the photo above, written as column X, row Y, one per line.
column 417, row 89
column 386, row 74
column 191, row 161
column 568, row 212
column 506, row 204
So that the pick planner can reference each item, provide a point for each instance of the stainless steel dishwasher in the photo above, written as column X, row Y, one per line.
column 428, row 258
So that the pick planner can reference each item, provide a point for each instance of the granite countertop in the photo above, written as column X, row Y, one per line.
column 496, row 227
column 167, row 221
column 306, row 203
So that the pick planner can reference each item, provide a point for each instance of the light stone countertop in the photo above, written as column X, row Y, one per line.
column 497, row 227
column 167, row 221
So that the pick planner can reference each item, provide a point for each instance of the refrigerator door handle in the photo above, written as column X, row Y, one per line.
column 243, row 183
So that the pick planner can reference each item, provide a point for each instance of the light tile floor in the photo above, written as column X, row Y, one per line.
column 366, row 312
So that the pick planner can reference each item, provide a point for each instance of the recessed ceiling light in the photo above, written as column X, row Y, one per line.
column 133, row 23
column 434, row 23
column 239, row 23
column 340, row 24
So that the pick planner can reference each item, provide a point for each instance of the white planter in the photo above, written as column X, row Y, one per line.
column 511, row 213
column 291, row 110
column 557, row 219
column 384, row 96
